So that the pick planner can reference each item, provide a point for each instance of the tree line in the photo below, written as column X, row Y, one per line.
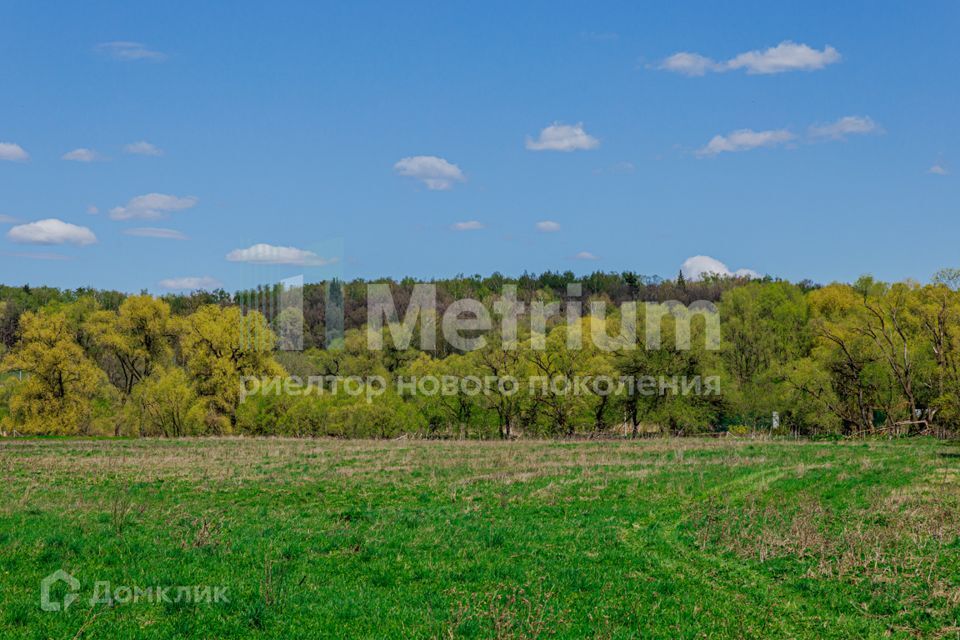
column 846, row 359
column 614, row 287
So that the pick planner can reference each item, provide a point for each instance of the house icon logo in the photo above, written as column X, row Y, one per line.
column 46, row 585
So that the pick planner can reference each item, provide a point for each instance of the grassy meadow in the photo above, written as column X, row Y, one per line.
column 664, row 538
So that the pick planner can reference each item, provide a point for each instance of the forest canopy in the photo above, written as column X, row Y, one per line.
column 843, row 359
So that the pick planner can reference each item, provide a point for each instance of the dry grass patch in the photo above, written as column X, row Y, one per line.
column 901, row 536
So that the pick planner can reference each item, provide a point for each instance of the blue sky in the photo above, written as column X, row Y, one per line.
column 369, row 139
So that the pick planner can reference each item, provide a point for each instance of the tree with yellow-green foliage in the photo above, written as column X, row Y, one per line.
column 766, row 330
column 876, row 366
column 220, row 346
column 59, row 381
column 659, row 371
column 508, row 364
column 558, row 366
column 444, row 411
column 164, row 404
column 352, row 357
column 842, row 372
column 133, row 341
column 937, row 309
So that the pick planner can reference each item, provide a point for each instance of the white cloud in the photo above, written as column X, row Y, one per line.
column 562, row 137
column 744, row 140
column 155, row 232
column 689, row 64
column 697, row 267
column 938, row 169
column 585, row 255
column 152, row 205
column 191, row 283
column 81, row 155
column 469, row 225
column 125, row 50
column 848, row 125
column 436, row 173
column 270, row 254
column 51, row 231
column 548, row 226
column 13, row 152
column 786, row 56
column 143, row 148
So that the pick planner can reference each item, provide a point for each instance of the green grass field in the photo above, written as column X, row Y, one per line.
column 664, row 538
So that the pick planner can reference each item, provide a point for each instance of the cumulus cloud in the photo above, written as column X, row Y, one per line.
column 698, row 267
column 152, row 205
column 786, row 56
column 436, row 173
column 51, row 231
column 142, row 148
column 270, row 254
column 130, row 51
column 190, row 283
column 469, row 225
column 744, row 140
column 548, row 226
column 848, row 125
column 562, row 137
column 689, row 64
column 938, row 169
column 155, row 232
column 13, row 152
column 585, row 255
column 81, row 155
